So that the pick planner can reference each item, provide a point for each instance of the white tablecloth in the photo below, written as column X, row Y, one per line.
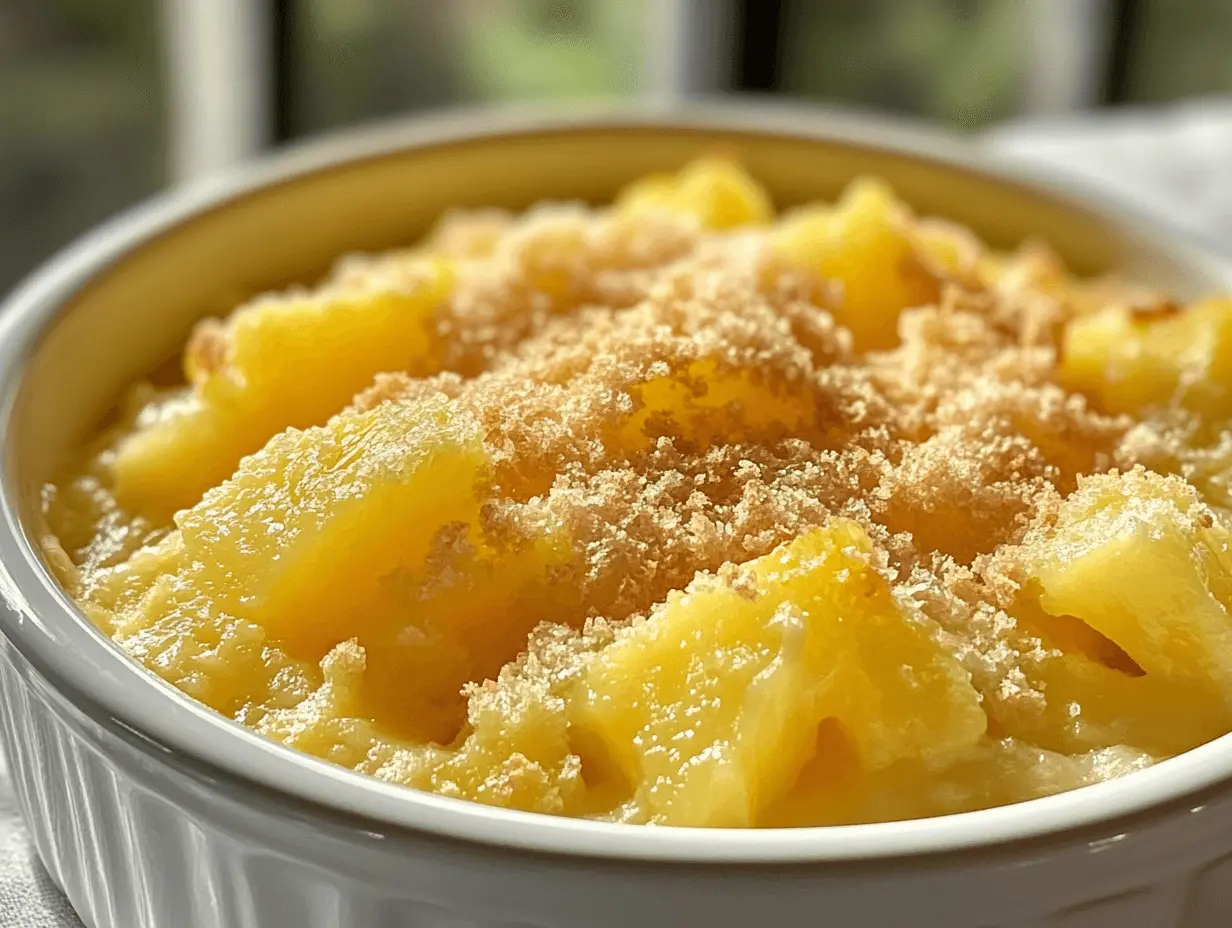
column 1175, row 162
column 28, row 898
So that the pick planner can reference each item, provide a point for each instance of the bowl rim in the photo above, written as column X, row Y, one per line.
column 95, row 675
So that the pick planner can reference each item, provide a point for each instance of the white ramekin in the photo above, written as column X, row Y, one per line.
column 153, row 812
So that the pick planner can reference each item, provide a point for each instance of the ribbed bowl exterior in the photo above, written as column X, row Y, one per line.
column 137, row 842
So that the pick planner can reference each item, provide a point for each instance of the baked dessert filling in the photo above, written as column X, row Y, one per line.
column 685, row 512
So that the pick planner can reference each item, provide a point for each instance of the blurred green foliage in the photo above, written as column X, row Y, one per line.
column 81, row 119
column 961, row 62
column 375, row 57
column 359, row 59
column 544, row 49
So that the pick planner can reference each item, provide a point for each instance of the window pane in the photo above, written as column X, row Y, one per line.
column 364, row 58
column 82, row 132
column 1181, row 49
column 964, row 62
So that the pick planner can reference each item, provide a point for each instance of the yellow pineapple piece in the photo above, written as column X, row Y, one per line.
column 715, row 191
column 515, row 751
column 865, row 244
column 179, row 448
column 1090, row 706
column 1097, row 697
column 223, row 661
column 301, row 534
column 1000, row 772
column 707, row 403
column 324, row 723
column 1129, row 360
column 993, row 772
column 1142, row 560
column 153, row 608
column 952, row 250
column 710, row 707
column 1032, row 268
column 458, row 619
column 288, row 555
column 287, row 361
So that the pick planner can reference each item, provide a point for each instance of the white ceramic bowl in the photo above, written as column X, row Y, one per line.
column 153, row 812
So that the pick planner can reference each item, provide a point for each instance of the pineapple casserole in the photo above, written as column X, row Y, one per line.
column 685, row 512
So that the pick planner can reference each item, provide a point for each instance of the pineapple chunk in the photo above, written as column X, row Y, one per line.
column 293, row 548
column 151, row 606
column 865, row 244
column 707, row 403
column 324, row 722
column 459, row 618
column 710, row 708
column 288, row 361
column 514, row 752
column 718, row 193
column 954, row 253
column 300, row 536
column 223, row 661
column 179, row 448
column 991, row 773
column 1090, row 706
column 1141, row 559
column 953, row 250
column 1097, row 697
column 1129, row 361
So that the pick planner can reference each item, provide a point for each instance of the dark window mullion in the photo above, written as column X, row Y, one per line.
column 1123, row 35
column 758, row 45
column 284, row 71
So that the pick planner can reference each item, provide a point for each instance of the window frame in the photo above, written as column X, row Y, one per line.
column 219, row 74
column 232, row 63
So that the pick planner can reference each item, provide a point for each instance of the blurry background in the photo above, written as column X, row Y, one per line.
column 103, row 102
